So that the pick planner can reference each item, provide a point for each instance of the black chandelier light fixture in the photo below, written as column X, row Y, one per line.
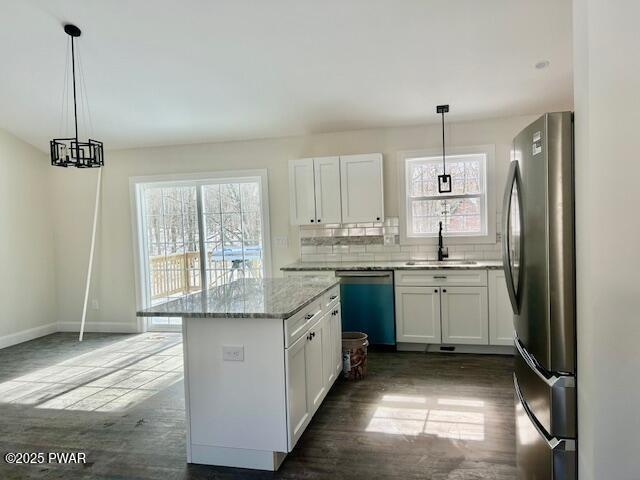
column 71, row 152
column 444, row 180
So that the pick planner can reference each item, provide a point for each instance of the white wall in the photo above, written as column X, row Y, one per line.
column 607, row 118
column 27, row 298
column 114, row 279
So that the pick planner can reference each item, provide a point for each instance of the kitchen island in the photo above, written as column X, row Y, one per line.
column 260, row 355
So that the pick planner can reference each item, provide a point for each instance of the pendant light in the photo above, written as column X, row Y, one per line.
column 444, row 180
column 71, row 152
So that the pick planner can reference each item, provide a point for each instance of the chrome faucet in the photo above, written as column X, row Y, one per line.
column 443, row 252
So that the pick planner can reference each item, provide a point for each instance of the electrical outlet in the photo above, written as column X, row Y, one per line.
column 95, row 305
column 233, row 353
column 282, row 242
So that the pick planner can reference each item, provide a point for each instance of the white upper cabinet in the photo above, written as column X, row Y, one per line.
column 327, row 189
column 345, row 189
column 361, row 187
column 302, row 200
column 500, row 313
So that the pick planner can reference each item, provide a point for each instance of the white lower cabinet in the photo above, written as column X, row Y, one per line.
column 336, row 334
column 250, row 411
column 465, row 315
column 298, row 405
column 305, row 380
column 332, row 345
column 500, row 312
column 418, row 314
column 312, row 365
column 328, row 370
column 313, row 356
column 466, row 307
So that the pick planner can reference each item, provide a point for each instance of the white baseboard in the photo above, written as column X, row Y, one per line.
column 26, row 335
column 236, row 457
column 482, row 349
column 98, row 327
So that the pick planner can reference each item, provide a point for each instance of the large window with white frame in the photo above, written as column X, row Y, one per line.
column 195, row 233
column 467, row 212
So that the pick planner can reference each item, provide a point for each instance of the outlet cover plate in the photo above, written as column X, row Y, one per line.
column 232, row 353
column 282, row 242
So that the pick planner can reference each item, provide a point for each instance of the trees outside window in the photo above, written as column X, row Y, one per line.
column 201, row 230
column 463, row 211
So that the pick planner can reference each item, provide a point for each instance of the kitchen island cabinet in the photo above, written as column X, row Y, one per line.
column 260, row 356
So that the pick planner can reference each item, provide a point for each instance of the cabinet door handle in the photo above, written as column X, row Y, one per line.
column 312, row 220
column 444, row 290
column 333, row 297
column 440, row 277
column 319, row 220
column 435, row 291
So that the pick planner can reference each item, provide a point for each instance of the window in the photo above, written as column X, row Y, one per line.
column 464, row 212
column 189, row 230
column 170, row 221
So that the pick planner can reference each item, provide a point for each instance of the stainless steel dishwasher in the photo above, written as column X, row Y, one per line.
column 367, row 302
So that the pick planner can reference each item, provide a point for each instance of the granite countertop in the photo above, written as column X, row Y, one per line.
column 246, row 298
column 395, row 265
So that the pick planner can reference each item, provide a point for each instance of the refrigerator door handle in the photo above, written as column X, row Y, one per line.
column 566, row 381
column 512, row 177
column 554, row 443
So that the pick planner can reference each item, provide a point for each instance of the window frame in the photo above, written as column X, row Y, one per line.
column 488, row 208
column 136, row 185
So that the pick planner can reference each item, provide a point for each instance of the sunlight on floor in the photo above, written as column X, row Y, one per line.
column 112, row 378
column 417, row 415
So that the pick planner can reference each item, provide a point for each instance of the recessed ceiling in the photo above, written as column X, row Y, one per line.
column 170, row 72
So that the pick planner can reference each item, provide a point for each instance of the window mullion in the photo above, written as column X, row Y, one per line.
column 244, row 264
column 447, row 197
column 203, row 252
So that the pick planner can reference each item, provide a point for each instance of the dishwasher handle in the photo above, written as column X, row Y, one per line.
column 360, row 273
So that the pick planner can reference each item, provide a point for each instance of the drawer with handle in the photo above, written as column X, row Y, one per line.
column 428, row 278
column 296, row 326
column 331, row 297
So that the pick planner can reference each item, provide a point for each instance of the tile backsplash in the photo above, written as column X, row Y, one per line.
column 378, row 241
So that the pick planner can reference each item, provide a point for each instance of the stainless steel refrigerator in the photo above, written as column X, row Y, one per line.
column 539, row 261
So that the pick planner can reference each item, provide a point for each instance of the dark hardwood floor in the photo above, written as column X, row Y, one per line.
column 119, row 399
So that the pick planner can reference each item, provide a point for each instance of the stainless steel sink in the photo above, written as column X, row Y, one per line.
column 442, row 263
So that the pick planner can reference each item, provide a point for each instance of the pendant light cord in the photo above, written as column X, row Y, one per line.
column 84, row 96
column 75, row 107
column 444, row 165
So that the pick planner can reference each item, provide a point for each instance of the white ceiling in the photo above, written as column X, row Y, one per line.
column 168, row 72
